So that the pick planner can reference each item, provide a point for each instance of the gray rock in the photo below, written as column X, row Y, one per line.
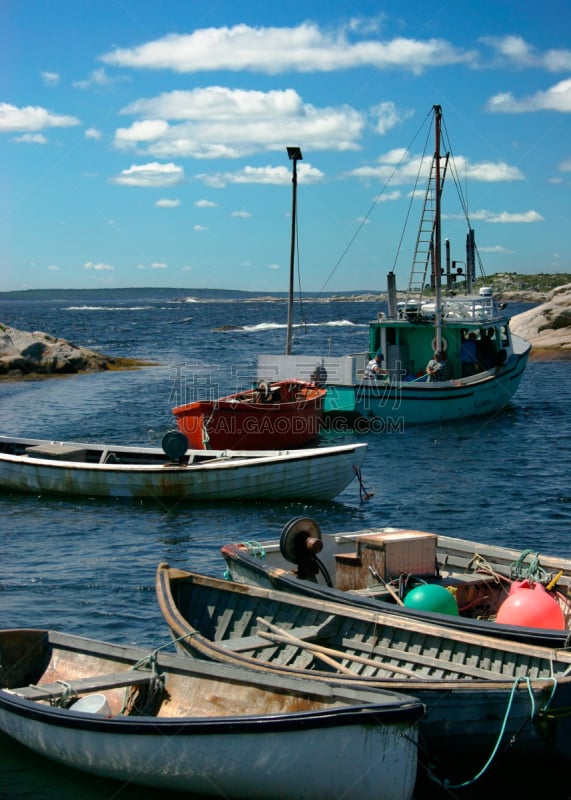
column 547, row 326
column 25, row 353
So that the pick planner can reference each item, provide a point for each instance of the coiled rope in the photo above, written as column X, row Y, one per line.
column 533, row 571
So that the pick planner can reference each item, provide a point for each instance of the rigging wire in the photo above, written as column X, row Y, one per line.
column 375, row 201
column 412, row 197
column 461, row 196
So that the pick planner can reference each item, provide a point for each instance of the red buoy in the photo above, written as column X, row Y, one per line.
column 532, row 606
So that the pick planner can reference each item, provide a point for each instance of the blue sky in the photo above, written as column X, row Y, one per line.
column 144, row 143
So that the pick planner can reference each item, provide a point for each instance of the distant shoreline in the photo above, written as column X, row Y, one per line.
column 178, row 295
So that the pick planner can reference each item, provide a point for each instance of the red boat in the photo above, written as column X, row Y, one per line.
column 272, row 416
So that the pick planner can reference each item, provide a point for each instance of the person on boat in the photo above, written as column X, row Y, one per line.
column 319, row 375
column 374, row 368
column 469, row 355
column 437, row 367
column 486, row 349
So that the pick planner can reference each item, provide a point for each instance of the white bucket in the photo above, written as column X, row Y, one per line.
column 92, row 704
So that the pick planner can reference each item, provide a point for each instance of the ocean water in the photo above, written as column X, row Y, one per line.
column 88, row 567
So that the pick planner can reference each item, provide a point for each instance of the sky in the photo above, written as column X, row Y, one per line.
column 144, row 144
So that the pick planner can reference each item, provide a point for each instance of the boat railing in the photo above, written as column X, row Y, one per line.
column 471, row 309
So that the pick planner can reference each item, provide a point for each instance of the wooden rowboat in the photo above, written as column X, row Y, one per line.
column 270, row 415
column 176, row 723
column 384, row 568
column 77, row 469
column 482, row 695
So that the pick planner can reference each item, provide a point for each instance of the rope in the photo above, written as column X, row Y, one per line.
column 533, row 572
column 157, row 681
column 480, row 564
column 67, row 696
column 254, row 548
column 363, row 493
column 446, row 784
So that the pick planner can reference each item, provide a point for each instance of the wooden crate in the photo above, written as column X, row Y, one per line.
column 388, row 555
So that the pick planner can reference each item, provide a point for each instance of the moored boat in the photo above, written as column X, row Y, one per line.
column 270, row 415
column 484, row 696
column 175, row 472
column 171, row 722
column 480, row 361
column 496, row 591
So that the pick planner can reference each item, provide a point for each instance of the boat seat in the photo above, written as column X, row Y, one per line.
column 85, row 685
column 56, row 451
column 307, row 632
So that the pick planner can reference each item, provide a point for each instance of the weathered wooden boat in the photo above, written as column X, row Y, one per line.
column 79, row 469
column 459, row 583
column 483, row 695
column 269, row 415
column 481, row 360
column 177, row 723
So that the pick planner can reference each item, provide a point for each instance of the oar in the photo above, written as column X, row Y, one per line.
column 285, row 637
column 389, row 589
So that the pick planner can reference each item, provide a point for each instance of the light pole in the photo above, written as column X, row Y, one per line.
column 295, row 155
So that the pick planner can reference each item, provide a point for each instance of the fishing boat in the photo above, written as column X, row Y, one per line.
column 171, row 722
column 76, row 469
column 480, row 361
column 483, row 695
column 520, row 595
column 269, row 415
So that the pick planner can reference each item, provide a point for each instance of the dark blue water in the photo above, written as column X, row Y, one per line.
column 88, row 567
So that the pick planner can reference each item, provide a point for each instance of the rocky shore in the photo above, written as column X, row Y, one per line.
column 34, row 354
column 548, row 326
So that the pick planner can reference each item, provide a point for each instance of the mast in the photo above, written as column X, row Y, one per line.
column 295, row 155
column 437, row 249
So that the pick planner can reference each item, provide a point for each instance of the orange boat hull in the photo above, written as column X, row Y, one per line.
column 290, row 414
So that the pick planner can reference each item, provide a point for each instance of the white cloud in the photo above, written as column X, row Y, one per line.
column 525, row 217
column 218, row 103
column 497, row 248
column 92, row 133
column 96, row 78
column 514, row 51
column 304, row 48
column 218, row 122
column 268, row 175
column 387, row 117
column 53, row 268
column 31, row 118
column 98, row 267
column 166, row 203
column 31, row 138
column 242, row 214
column 150, row 175
column 556, row 98
column 50, row 78
column 401, row 167
column 159, row 265
column 145, row 131
column 205, row 204
column 199, row 228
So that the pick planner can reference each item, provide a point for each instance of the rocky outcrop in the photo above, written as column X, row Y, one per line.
column 25, row 354
column 547, row 326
